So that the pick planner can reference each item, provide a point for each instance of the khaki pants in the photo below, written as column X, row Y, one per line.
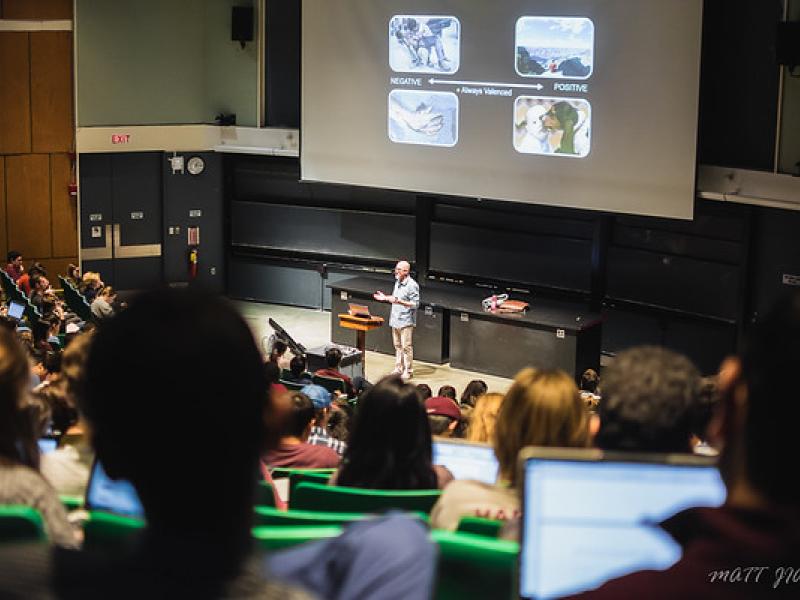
column 404, row 353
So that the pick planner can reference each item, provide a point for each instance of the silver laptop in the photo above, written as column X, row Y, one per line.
column 590, row 516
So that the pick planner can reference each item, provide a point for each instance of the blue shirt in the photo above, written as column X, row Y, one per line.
column 403, row 316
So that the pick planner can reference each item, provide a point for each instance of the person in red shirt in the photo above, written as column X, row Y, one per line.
column 14, row 267
column 293, row 450
column 333, row 358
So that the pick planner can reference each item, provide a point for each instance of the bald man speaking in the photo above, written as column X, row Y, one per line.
column 404, row 301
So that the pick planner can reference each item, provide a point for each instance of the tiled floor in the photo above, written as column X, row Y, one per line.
column 312, row 328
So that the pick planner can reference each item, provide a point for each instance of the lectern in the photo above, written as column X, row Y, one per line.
column 361, row 325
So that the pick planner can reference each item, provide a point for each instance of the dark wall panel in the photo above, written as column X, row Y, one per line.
column 776, row 255
column 516, row 257
column 347, row 234
column 277, row 284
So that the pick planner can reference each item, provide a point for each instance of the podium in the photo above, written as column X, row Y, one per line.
column 361, row 325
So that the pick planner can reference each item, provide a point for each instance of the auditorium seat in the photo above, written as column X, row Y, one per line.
column 265, row 495
column 268, row 516
column 20, row 523
column 277, row 538
column 291, row 386
column 107, row 530
column 75, row 300
column 71, row 502
column 298, row 477
column 480, row 526
column 314, row 496
column 332, row 384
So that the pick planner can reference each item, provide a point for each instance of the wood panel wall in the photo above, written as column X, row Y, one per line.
column 38, row 217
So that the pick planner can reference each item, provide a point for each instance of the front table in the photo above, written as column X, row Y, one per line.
column 361, row 325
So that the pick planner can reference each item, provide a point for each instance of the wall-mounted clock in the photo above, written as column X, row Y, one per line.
column 195, row 165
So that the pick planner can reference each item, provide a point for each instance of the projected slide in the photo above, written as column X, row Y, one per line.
column 535, row 102
column 427, row 118
column 555, row 47
column 552, row 126
column 424, row 44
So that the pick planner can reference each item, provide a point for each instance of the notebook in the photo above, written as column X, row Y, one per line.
column 114, row 496
column 590, row 516
column 466, row 460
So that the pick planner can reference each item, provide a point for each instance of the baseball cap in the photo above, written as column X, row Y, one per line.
column 445, row 407
column 318, row 395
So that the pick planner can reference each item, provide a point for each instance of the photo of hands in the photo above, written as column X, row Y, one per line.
column 426, row 118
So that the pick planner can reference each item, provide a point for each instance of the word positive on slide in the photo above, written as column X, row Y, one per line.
column 424, row 44
column 554, row 47
column 422, row 117
column 552, row 126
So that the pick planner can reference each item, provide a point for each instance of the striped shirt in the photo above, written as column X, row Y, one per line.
column 320, row 437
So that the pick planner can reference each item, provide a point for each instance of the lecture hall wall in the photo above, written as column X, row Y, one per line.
column 37, row 137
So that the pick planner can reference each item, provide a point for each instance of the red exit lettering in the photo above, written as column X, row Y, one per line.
column 120, row 138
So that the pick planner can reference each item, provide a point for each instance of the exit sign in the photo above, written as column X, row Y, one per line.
column 120, row 138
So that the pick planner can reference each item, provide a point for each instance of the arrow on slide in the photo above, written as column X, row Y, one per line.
column 536, row 86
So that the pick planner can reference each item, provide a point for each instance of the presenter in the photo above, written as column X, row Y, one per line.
column 404, row 301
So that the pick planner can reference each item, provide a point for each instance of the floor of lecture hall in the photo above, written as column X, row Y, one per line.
column 312, row 327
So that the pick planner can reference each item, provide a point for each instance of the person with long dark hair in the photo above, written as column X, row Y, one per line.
column 20, row 480
column 390, row 444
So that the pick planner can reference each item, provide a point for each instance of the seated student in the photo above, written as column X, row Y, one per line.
column 484, row 418
column 390, row 443
column 14, row 266
column 474, row 389
column 590, row 388
column 424, row 391
column 649, row 397
column 293, row 449
column 91, row 284
column 102, row 305
column 323, row 408
column 444, row 415
column 749, row 547
column 448, row 391
column 20, row 480
column 278, row 354
column 297, row 368
column 39, row 286
column 333, row 358
column 542, row 408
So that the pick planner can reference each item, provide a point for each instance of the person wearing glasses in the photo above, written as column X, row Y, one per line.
column 403, row 319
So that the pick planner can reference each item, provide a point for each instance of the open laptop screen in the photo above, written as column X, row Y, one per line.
column 466, row 461
column 47, row 444
column 104, row 493
column 16, row 310
column 586, row 522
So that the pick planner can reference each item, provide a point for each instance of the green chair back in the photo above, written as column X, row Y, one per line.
column 332, row 384
column 268, row 516
column 19, row 523
column 480, row 526
column 313, row 496
column 277, row 538
column 474, row 566
column 71, row 502
column 298, row 477
column 280, row 472
column 75, row 300
column 107, row 530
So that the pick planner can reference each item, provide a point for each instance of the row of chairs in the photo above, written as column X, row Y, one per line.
column 75, row 300
column 332, row 384
column 470, row 565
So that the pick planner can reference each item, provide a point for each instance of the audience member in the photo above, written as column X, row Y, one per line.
column 339, row 424
column 448, row 391
column 91, row 284
column 748, row 548
column 39, row 286
column 590, row 388
column 333, row 358
column 444, row 415
column 474, row 389
column 278, row 354
column 297, row 371
column 390, row 444
column 73, row 275
column 24, row 282
column 102, row 305
column 293, row 449
column 20, row 481
column 649, row 395
column 14, row 266
column 484, row 417
column 701, row 417
column 542, row 408
column 40, row 328
column 322, row 400
column 424, row 391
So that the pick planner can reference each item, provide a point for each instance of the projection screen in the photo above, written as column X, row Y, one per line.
column 572, row 103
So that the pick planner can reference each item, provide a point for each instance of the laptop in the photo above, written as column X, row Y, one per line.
column 105, row 494
column 16, row 310
column 358, row 310
column 590, row 516
column 47, row 444
column 466, row 460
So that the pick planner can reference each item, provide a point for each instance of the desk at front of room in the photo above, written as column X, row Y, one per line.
column 452, row 327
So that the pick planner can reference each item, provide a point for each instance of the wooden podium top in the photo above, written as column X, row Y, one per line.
column 348, row 321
